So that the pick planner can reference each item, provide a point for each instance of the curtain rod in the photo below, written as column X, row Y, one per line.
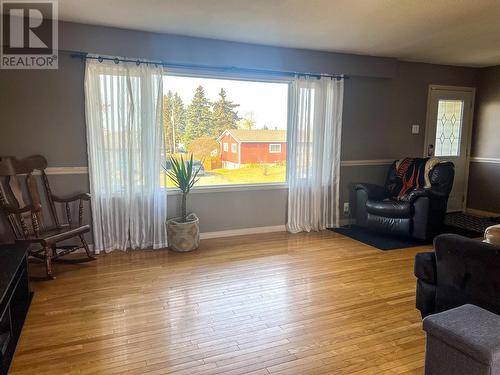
column 226, row 69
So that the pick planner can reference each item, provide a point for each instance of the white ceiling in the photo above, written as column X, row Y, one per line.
column 457, row 32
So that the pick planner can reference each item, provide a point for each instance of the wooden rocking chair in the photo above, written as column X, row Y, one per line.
column 26, row 218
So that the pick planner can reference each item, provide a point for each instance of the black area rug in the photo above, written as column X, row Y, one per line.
column 378, row 240
column 389, row 242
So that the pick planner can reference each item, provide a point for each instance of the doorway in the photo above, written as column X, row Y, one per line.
column 448, row 135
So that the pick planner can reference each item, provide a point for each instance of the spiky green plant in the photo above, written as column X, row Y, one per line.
column 184, row 177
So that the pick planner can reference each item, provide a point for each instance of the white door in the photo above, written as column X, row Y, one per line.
column 448, row 132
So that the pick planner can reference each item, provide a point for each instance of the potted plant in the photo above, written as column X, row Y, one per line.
column 183, row 233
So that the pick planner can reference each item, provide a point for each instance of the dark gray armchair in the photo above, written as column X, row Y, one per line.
column 419, row 215
column 460, row 270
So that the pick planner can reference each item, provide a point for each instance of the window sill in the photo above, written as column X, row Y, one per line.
column 230, row 188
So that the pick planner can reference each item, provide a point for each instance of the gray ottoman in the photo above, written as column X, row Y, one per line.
column 463, row 341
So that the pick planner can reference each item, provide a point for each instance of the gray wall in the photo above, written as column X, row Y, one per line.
column 43, row 111
column 378, row 114
column 484, row 178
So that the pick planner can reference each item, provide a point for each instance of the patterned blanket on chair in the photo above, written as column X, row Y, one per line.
column 412, row 173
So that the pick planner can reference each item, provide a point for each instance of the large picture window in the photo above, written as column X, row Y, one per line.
column 235, row 129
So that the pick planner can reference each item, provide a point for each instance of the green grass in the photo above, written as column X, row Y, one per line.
column 250, row 174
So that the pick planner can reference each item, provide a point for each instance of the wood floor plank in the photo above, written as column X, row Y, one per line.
column 276, row 303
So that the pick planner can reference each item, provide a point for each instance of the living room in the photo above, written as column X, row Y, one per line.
column 201, row 187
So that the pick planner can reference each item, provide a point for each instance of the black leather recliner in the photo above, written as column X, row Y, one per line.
column 420, row 215
column 460, row 270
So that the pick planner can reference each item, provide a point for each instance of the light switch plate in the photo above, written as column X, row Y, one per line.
column 415, row 129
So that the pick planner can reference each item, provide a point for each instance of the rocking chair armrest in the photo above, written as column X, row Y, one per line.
column 29, row 208
column 81, row 196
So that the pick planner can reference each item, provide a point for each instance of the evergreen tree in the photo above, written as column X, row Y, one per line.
column 167, row 123
column 198, row 117
column 224, row 115
column 178, row 118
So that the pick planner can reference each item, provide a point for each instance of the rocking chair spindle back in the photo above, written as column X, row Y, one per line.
column 22, row 206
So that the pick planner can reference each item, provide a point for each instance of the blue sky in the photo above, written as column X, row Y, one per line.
column 267, row 100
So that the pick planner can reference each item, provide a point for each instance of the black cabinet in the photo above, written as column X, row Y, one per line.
column 15, row 298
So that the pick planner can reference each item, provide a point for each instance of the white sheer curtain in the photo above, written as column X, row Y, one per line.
column 125, row 141
column 315, row 124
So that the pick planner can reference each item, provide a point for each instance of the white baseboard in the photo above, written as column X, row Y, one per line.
column 222, row 233
column 243, row 231
column 473, row 211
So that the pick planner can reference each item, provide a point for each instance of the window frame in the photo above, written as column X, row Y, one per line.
column 225, row 146
column 234, row 148
column 234, row 76
column 275, row 144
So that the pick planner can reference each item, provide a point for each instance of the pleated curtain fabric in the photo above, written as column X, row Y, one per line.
column 125, row 142
column 314, row 134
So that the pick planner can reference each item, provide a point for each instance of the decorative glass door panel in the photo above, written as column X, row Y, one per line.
column 449, row 127
column 448, row 135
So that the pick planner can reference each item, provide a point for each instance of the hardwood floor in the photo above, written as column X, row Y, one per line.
column 276, row 303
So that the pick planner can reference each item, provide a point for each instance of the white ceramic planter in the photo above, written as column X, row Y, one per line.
column 183, row 236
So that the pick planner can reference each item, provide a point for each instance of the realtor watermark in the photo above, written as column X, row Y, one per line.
column 29, row 35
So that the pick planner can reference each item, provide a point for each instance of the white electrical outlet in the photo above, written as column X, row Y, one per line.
column 415, row 129
column 346, row 208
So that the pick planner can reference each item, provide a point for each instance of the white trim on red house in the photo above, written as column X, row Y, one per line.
column 228, row 133
column 260, row 142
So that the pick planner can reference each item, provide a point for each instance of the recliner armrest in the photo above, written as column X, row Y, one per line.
column 375, row 192
column 425, row 267
column 413, row 195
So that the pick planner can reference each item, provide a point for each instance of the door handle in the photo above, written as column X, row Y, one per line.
column 430, row 150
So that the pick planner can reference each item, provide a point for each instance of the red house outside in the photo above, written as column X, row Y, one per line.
column 240, row 147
